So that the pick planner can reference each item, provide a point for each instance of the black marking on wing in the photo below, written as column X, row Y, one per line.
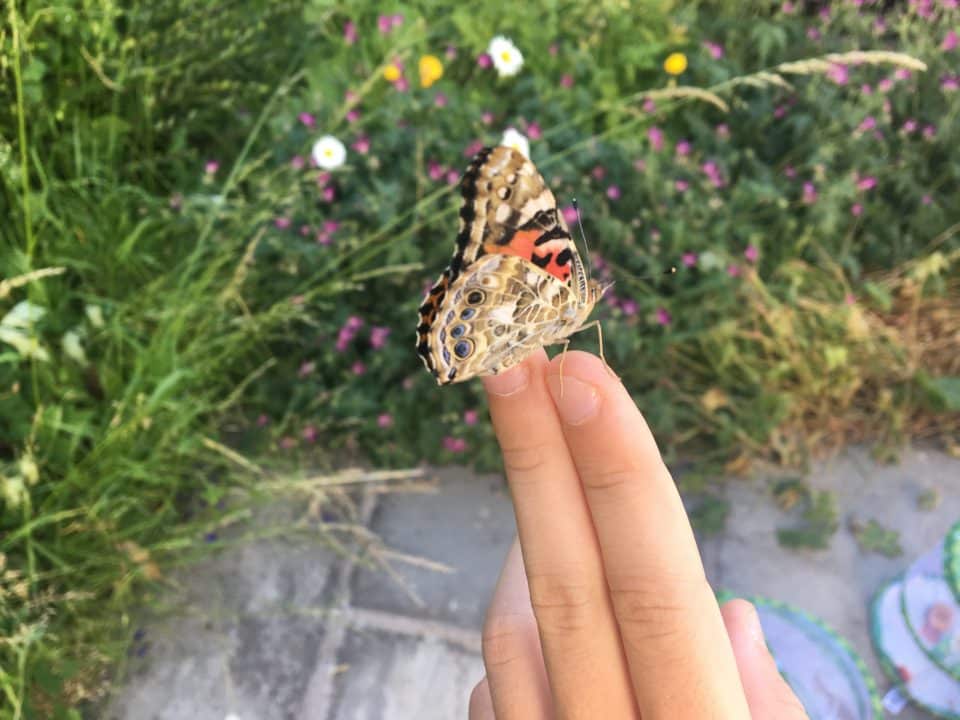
column 541, row 261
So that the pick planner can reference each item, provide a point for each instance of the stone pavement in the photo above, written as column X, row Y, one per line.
column 285, row 629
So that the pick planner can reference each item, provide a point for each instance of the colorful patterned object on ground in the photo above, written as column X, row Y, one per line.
column 827, row 675
column 915, row 623
column 907, row 663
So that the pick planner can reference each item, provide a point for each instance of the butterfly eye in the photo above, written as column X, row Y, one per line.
column 458, row 331
column 475, row 297
column 463, row 348
column 468, row 313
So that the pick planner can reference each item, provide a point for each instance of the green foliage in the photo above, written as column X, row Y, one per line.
column 817, row 525
column 710, row 515
column 874, row 537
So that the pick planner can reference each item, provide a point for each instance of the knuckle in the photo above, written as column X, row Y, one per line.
column 524, row 458
column 503, row 640
column 608, row 478
column 653, row 606
column 560, row 603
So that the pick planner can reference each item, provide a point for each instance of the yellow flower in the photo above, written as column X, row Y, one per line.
column 431, row 70
column 391, row 73
column 675, row 63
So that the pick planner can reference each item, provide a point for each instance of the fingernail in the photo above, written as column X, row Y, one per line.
column 509, row 383
column 576, row 400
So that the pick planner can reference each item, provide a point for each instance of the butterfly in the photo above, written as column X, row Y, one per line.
column 516, row 281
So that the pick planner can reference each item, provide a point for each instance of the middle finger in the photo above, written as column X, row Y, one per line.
column 578, row 633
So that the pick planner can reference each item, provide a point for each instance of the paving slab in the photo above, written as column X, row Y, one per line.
column 393, row 677
column 467, row 525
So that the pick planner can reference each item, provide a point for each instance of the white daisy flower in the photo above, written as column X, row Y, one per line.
column 515, row 139
column 329, row 153
column 507, row 59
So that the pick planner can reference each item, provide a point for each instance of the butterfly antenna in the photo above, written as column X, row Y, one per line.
column 583, row 235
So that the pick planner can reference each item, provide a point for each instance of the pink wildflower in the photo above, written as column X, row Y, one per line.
column 950, row 41
column 813, row 34
column 950, row 83
column 598, row 172
column 361, row 145
column 484, row 61
column 902, row 74
column 788, row 8
column 306, row 368
column 713, row 173
column 867, row 183
column 839, row 74
column 473, row 148
column 453, row 177
column 866, row 89
column 649, row 105
column 868, row 123
column 629, row 307
column 211, row 167
column 262, row 420
column 288, row 443
column 655, row 136
column 384, row 25
column 885, row 85
column 350, row 32
column 329, row 194
column 909, row 126
column 569, row 214
column 722, row 131
column 486, row 117
column 662, row 316
column 733, row 270
column 780, row 111
column 926, row 200
column 297, row 162
column 790, row 171
column 553, row 49
column 378, row 336
column 681, row 186
column 850, row 299
column 435, row 170
column 566, row 81
column 281, row 223
column 440, row 100
column 714, row 49
column 533, row 131
column 689, row 259
column 331, row 226
column 454, row 445
column 307, row 119
column 856, row 209
column 358, row 368
column 309, row 433
column 470, row 417
column 450, row 52
column 384, row 420
column 809, row 193
column 683, row 148
column 640, row 165
column 929, row 132
column 613, row 192
column 751, row 253
column 352, row 116
column 402, row 85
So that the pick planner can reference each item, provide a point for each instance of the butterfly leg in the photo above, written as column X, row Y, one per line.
column 600, row 340
column 563, row 355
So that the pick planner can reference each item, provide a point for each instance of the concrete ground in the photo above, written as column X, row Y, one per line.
column 284, row 629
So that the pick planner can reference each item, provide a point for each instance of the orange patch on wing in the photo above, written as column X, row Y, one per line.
column 523, row 245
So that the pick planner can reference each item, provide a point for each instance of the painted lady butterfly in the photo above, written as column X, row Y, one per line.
column 516, row 281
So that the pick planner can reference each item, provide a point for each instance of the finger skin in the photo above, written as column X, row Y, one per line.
column 672, row 632
column 578, row 634
column 768, row 694
column 516, row 677
column 481, row 704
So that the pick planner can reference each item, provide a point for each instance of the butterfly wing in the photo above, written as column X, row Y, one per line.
column 507, row 210
column 495, row 314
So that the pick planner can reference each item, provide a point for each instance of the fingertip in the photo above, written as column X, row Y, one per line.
column 481, row 702
column 516, row 379
column 583, row 366
column 741, row 619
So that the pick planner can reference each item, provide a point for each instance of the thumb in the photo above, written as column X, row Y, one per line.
column 768, row 695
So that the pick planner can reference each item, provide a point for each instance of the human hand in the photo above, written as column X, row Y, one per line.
column 606, row 612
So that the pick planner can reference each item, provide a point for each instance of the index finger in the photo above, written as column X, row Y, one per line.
column 673, row 635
